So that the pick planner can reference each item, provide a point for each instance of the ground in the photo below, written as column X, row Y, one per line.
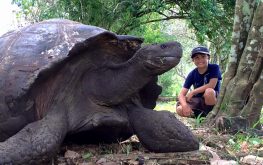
column 215, row 148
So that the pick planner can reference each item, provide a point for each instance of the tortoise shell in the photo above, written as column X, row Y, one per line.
column 30, row 53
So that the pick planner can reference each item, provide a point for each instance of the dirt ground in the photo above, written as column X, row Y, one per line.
column 215, row 148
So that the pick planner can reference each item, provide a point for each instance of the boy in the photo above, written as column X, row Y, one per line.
column 206, row 81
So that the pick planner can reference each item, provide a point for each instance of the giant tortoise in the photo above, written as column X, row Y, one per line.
column 62, row 79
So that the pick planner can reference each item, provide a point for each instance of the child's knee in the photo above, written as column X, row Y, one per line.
column 210, row 96
column 209, row 92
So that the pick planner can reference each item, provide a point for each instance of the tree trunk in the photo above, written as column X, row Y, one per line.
column 242, row 89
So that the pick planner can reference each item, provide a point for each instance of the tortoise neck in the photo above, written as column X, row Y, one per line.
column 115, row 84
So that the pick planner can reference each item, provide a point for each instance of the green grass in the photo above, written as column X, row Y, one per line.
column 240, row 141
column 169, row 106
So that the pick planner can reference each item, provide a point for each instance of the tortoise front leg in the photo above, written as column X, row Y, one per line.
column 37, row 142
column 160, row 131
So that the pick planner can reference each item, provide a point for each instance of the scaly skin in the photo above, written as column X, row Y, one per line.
column 161, row 131
column 85, row 93
column 37, row 141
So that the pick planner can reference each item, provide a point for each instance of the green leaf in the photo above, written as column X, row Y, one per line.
column 87, row 156
column 255, row 141
column 231, row 141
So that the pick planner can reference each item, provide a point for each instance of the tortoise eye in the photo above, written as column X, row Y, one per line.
column 163, row 46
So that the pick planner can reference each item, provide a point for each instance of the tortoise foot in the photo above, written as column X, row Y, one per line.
column 161, row 131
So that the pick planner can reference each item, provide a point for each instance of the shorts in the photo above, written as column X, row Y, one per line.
column 197, row 104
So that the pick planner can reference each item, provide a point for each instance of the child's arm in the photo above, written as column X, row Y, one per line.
column 182, row 99
column 182, row 96
column 211, row 84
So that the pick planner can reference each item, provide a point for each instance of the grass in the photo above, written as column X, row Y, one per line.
column 169, row 106
column 199, row 120
column 87, row 156
column 244, row 143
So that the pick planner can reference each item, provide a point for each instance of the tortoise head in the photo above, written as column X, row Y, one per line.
column 159, row 58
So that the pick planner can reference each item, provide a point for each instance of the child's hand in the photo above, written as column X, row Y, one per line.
column 187, row 111
column 190, row 95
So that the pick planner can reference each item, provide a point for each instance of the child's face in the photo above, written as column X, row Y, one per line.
column 201, row 60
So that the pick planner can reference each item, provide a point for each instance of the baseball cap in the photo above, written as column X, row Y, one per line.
column 200, row 49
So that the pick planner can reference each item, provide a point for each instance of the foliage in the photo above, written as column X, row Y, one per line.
column 176, row 30
column 243, row 143
column 170, row 88
column 120, row 16
column 107, row 149
column 153, row 33
column 152, row 19
column 212, row 22
column 126, row 148
column 199, row 120
column 87, row 156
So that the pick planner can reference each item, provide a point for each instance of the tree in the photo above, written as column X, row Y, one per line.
column 212, row 21
column 120, row 16
column 206, row 16
column 242, row 89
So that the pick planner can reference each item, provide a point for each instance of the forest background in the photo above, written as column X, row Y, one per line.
column 232, row 30
column 191, row 23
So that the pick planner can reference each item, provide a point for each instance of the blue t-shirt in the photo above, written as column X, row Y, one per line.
column 197, row 80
